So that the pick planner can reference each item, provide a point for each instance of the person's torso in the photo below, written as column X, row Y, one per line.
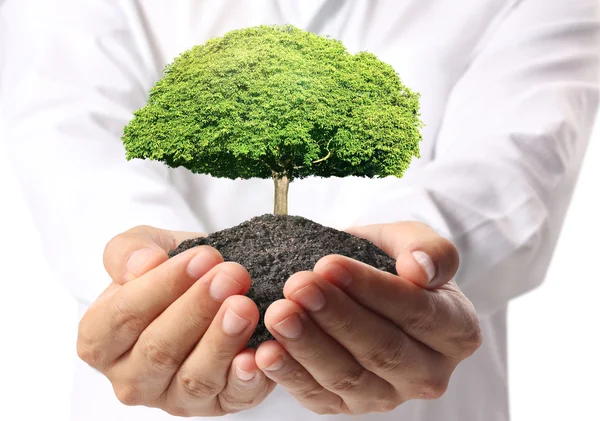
column 430, row 44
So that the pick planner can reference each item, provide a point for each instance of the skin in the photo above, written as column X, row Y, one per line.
column 350, row 339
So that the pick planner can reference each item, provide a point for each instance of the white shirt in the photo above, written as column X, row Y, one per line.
column 509, row 93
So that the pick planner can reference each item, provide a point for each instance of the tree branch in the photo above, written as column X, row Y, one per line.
column 318, row 160
column 328, row 153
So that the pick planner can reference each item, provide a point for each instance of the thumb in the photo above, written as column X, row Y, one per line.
column 422, row 255
column 139, row 250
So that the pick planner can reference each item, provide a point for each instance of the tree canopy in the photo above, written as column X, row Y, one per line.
column 273, row 101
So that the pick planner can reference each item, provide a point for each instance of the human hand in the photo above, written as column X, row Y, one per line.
column 353, row 339
column 171, row 333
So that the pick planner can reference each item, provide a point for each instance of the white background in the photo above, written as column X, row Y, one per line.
column 553, row 331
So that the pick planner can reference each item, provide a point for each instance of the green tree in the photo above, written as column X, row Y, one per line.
column 276, row 101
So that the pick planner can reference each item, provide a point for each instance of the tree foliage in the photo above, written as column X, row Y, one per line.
column 278, row 101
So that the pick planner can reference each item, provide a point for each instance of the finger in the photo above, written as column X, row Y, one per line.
column 166, row 342
column 280, row 367
column 247, row 385
column 203, row 375
column 443, row 319
column 422, row 255
column 376, row 343
column 330, row 364
column 112, row 326
column 140, row 249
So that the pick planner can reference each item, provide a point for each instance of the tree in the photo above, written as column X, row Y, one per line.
column 276, row 101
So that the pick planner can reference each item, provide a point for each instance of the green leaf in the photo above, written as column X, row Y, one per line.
column 278, row 99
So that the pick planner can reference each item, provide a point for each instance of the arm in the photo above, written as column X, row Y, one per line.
column 73, row 74
column 64, row 104
column 506, row 160
column 509, row 151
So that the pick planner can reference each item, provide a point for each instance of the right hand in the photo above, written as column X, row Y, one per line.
column 171, row 333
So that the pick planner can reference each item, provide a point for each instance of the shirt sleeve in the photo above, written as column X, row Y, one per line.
column 73, row 74
column 509, row 150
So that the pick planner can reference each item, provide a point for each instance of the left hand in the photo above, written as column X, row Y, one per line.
column 352, row 339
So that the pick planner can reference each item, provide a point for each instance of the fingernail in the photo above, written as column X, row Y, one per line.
column 138, row 259
column 426, row 264
column 199, row 265
column 290, row 328
column 244, row 375
column 310, row 297
column 223, row 286
column 338, row 274
column 276, row 365
column 234, row 324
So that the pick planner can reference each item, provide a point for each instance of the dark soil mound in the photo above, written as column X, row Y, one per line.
column 272, row 248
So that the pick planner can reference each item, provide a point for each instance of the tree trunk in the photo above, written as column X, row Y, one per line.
column 282, row 184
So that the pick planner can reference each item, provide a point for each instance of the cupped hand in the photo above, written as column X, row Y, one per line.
column 171, row 333
column 352, row 339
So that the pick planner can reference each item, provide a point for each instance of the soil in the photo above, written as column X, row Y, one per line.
column 273, row 247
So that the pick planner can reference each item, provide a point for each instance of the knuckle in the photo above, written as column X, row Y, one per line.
column 471, row 342
column 199, row 317
column 87, row 349
column 351, row 380
column 158, row 354
column 221, row 354
column 473, row 338
column 426, row 318
column 296, row 381
column 386, row 401
column 342, row 327
column 128, row 394
column 293, row 378
column 468, row 337
column 308, row 393
column 431, row 388
column 198, row 386
column 88, row 353
column 124, row 318
column 386, row 357
column 388, row 405
column 230, row 403
column 343, row 408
